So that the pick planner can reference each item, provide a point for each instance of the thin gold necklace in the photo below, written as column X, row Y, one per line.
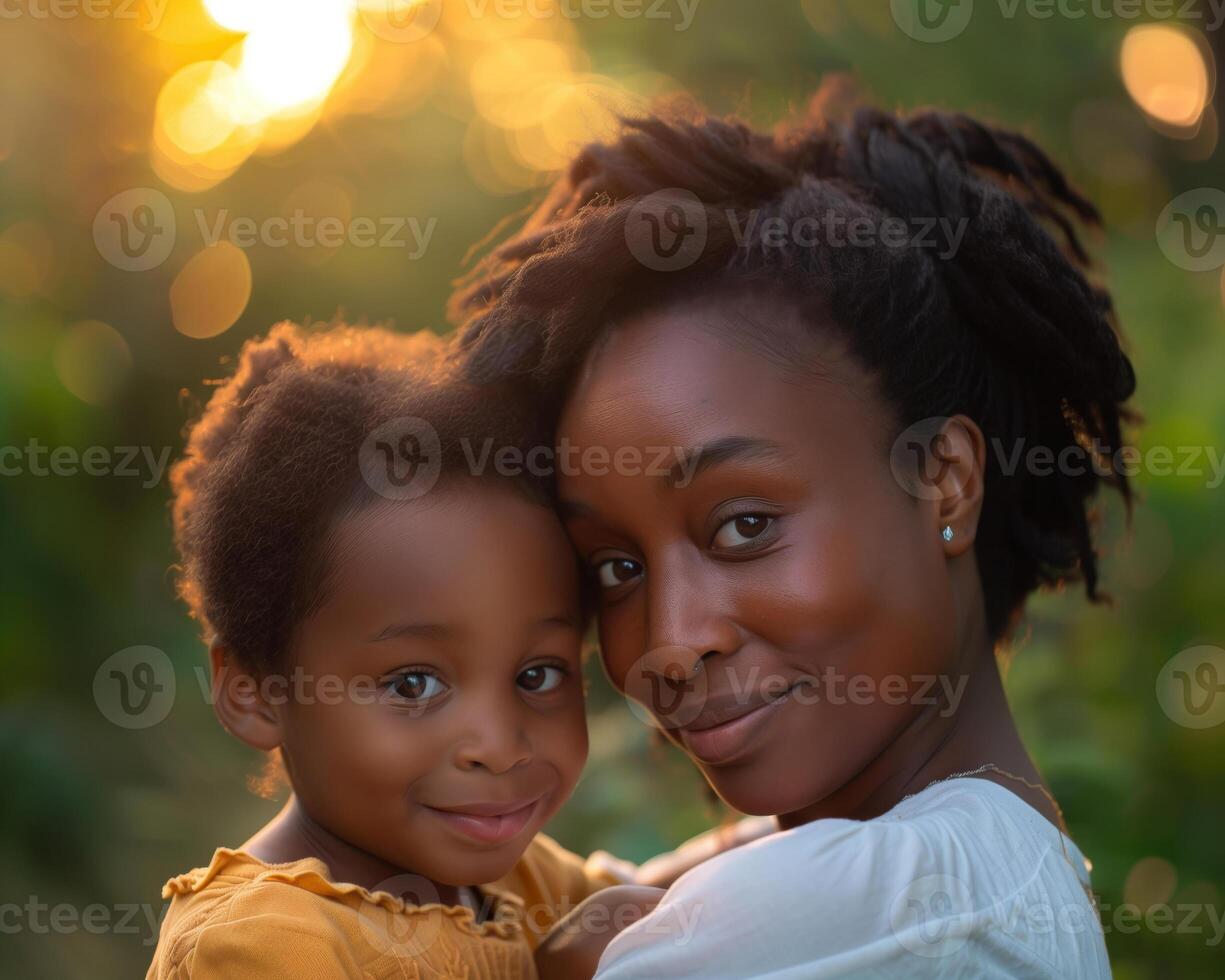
column 1062, row 828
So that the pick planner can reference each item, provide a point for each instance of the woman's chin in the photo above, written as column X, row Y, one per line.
column 756, row 794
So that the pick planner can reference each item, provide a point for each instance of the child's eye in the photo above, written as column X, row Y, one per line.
column 541, row 678
column 616, row 571
column 416, row 686
column 742, row 529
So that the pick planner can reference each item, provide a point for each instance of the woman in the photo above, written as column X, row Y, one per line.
column 837, row 338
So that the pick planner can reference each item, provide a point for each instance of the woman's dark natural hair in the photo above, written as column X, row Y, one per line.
column 1003, row 325
column 275, row 459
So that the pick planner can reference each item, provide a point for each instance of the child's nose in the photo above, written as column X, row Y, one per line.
column 495, row 739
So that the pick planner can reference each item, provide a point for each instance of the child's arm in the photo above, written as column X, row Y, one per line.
column 572, row 949
column 662, row 870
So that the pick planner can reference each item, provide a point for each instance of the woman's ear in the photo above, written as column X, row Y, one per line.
column 961, row 452
column 239, row 702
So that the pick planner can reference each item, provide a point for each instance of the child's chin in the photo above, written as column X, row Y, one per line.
column 479, row 868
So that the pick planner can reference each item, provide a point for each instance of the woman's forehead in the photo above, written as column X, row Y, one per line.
column 750, row 365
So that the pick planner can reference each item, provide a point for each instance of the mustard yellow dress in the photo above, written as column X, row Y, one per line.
column 243, row 919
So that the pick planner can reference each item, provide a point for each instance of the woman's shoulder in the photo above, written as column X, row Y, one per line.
column 964, row 868
column 967, row 827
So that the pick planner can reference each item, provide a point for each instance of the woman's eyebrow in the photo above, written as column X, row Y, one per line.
column 691, row 462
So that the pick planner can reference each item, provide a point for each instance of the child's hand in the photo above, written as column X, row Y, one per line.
column 573, row 947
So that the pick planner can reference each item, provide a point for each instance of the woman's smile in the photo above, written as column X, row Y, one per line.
column 728, row 728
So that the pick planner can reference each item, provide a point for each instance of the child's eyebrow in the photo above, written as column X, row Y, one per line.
column 424, row 631
column 440, row 631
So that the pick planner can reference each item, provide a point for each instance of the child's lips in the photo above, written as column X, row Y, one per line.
column 489, row 822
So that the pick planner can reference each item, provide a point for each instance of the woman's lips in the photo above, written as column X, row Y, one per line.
column 488, row 823
column 722, row 742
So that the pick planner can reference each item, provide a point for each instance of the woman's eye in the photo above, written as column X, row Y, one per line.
column 617, row 571
column 542, row 678
column 741, row 530
column 416, row 686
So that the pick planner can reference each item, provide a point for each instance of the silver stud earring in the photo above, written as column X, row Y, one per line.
column 947, row 533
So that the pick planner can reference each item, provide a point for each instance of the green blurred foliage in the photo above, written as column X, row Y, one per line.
column 93, row 813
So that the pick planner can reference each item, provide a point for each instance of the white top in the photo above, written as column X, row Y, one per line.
column 963, row 879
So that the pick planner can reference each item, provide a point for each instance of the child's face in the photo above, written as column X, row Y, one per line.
column 791, row 553
column 463, row 607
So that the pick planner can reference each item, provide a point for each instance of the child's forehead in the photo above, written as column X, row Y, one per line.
column 467, row 548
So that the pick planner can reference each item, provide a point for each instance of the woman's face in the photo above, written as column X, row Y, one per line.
column 783, row 555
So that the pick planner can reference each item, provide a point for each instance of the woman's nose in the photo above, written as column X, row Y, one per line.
column 688, row 615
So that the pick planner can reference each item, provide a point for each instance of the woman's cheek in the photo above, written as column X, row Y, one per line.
column 620, row 645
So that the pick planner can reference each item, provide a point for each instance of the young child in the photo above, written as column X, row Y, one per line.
column 404, row 633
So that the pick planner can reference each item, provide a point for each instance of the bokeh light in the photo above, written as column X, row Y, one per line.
column 297, row 59
column 92, row 360
column 1150, row 882
column 1169, row 74
column 211, row 291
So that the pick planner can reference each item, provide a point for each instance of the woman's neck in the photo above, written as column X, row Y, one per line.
column 942, row 740
column 293, row 835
